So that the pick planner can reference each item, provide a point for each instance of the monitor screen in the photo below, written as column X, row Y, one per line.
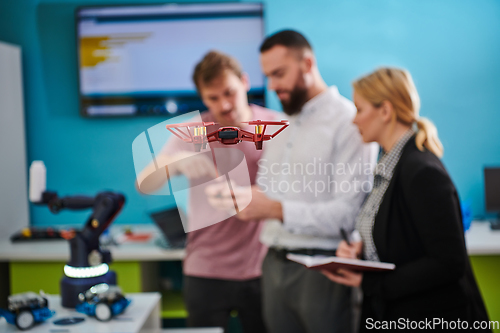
column 139, row 60
column 492, row 189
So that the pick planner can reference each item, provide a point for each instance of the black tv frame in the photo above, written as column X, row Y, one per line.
column 255, row 97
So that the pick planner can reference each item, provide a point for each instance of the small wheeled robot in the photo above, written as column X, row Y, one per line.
column 102, row 301
column 27, row 309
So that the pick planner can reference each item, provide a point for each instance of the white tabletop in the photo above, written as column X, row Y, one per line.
column 186, row 330
column 58, row 250
column 481, row 240
column 133, row 320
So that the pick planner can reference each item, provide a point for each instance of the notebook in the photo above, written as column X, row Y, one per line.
column 332, row 264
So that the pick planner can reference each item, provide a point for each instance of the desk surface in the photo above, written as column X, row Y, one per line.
column 480, row 241
column 132, row 320
column 58, row 250
column 186, row 330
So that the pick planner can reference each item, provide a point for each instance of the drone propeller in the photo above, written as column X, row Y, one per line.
column 192, row 124
column 266, row 122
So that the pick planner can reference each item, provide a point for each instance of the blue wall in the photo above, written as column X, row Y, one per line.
column 452, row 48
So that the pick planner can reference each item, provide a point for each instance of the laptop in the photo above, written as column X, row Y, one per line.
column 170, row 223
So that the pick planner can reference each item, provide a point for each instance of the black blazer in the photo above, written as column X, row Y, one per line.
column 419, row 228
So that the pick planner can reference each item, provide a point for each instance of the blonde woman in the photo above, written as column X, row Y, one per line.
column 411, row 218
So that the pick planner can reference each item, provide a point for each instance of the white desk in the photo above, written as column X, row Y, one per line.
column 143, row 314
column 139, row 261
column 187, row 330
column 58, row 250
column 481, row 240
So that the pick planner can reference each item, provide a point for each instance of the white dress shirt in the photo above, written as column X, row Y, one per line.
column 320, row 171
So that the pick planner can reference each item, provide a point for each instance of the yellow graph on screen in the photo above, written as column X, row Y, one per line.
column 98, row 49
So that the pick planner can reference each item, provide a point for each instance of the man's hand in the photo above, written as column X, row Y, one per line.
column 192, row 165
column 261, row 207
column 219, row 195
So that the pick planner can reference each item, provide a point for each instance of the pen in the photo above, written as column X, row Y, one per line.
column 344, row 236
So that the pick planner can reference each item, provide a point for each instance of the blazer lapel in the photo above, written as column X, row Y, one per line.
column 381, row 220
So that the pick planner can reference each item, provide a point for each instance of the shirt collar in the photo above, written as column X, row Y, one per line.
column 388, row 161
column 318, row 101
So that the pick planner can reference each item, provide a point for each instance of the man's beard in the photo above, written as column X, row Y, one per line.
column 298, row 97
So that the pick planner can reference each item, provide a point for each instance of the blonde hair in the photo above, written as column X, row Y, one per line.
column 396, row 86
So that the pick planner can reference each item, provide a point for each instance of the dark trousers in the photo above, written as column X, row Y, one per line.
column 301, row 300
column 209, row 303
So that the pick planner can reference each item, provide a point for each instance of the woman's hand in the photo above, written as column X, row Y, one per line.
column 352, row 251
column 345, row 277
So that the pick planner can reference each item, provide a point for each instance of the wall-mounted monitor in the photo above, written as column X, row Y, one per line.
column 138, row 60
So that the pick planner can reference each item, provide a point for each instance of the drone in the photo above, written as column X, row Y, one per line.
column 225, row 135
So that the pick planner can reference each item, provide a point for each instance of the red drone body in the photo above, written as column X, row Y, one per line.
column 225, row 135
